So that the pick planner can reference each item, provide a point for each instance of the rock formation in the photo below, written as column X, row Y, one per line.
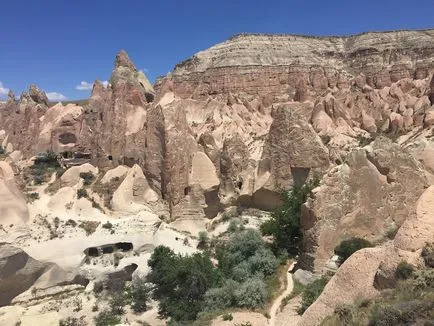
column 259, row 64
column 373, row 191
column 231, row 126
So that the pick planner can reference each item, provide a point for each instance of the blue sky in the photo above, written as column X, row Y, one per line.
column 59, row 44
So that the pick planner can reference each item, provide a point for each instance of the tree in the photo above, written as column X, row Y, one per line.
column 140, row 294
column 181, row 282
column 347, row 247
column 311, row 293
column 284, row 224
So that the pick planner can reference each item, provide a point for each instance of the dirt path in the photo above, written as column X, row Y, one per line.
column 276, row 305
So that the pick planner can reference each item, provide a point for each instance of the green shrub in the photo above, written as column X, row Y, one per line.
column 222, row 297
column 428, row 255
column 311, row 293
column 347, row 247
column 344, row 313
column 117, row 302
column 72, row 321
column 33, row 196
column 179, row 277
column 107, row 225
column 48, row 159
column 227, row 317
column 107, row 318
column 203, row 240
column 82, row 193
column 284, row 224
column 234, row 226
column 251, row 294
column 404, row 270
column 140, row 294
column 87, row 177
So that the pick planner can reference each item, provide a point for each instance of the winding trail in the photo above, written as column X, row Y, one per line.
column 276, row 305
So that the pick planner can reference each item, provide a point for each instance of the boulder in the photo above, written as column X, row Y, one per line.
column 72, row 176
column 18, row 272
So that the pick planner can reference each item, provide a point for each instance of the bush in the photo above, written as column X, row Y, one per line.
column 118, row 302
column 221, row 298
column 428, row 255
column 344, row 313
column 107, row 225
column 33, row 196
column 234, row 226
column 227, row 317
column 311, row 293
column 251, row 294
column 347, row 247
column 140, row 294
column 2, row 150
column 179, row 277
column 82, row 193
column 48, row 159
column 87, row 178
column 284, row 224
column 107, row 318
column 72, row 321
column 404, row 270
column 203, row 240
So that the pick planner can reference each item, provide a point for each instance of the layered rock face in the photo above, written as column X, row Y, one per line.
column 374, row 191
column 260, row 64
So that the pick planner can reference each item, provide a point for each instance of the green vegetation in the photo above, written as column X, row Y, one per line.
column 284, row 224
column 203, row 240
column 347, row 247
column 107, row 225
column 107, row 318
column 311, row 293
column 82, row 193
column 89, row 226
column 72, row 321
column 43, row 166
column 189, row 287
column 33, row 196
column 227, row 316
column 140, row 294
column 87, row 177
column 404, row 270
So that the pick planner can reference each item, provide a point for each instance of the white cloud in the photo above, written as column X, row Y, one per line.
column 54, row 96
column 3, row 90
column 84, row 86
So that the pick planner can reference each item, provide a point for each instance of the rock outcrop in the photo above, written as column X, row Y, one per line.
column 372, row 192
column 13, row 207
column 359, row 276
column 260, row 64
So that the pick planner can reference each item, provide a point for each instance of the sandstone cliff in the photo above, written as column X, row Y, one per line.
column 259, row 64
